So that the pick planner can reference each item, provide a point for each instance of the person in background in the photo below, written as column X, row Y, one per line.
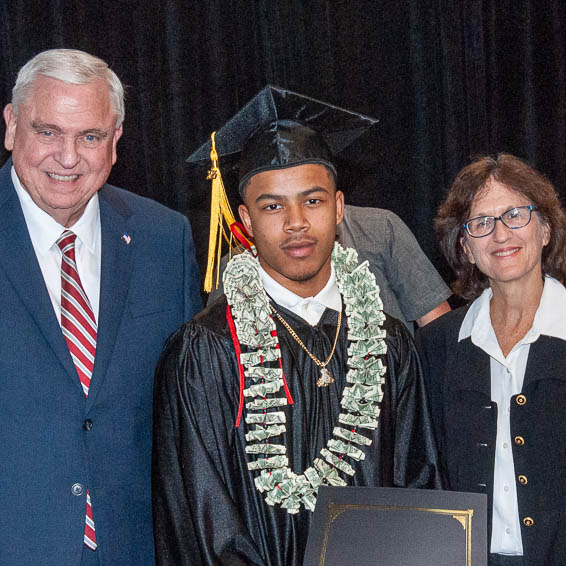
column 495, row 368
column 93, row 281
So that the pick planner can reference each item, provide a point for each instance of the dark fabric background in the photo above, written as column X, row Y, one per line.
column 447, row 79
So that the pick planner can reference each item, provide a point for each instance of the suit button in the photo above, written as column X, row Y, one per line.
column 528, row 521
column 77, row 489
column 519, row 440
column 520, row 400
column 87, row 425
column 523, row 480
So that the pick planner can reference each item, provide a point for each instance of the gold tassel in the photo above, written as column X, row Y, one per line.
column 219, row 210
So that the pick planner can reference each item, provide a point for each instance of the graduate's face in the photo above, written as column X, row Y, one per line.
column 63, row 143
column 291, row 215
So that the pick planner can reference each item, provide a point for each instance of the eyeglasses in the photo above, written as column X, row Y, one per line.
column 513, row 218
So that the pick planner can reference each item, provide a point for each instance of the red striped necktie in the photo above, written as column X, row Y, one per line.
column 79, row 329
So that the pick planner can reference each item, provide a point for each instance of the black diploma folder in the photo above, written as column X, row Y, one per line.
column 359, row 526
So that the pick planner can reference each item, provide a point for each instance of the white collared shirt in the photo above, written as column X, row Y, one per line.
column 309, row 308
column 44, row 231
column 507, row 375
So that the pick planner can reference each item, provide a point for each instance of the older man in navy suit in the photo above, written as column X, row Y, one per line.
column 92, row 281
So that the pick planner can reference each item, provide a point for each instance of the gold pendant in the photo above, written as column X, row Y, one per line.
column 325, row 378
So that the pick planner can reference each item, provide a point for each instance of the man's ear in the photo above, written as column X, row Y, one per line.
column 10, row 120
column 245, row 218
column 339, row 206
column 117, row 135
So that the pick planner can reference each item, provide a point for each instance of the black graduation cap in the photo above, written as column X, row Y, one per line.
column 277, row 128
column 280, row 128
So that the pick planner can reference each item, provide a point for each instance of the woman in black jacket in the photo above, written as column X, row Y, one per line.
column 495, row 369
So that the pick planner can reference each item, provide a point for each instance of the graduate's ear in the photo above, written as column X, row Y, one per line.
column 339, row 206
column 245, row 218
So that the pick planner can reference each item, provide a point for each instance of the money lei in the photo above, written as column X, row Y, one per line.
column 264, row 385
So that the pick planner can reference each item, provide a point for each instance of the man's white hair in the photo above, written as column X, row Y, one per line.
column 73, row 67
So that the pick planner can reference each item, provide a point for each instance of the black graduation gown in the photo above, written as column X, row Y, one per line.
column 207, row 509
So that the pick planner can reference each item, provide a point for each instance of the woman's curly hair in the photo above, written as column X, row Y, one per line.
column 516, row 175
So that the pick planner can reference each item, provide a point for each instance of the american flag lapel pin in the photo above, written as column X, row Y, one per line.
column 127, row 238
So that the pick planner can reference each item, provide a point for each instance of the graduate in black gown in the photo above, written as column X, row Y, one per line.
column 293, row 379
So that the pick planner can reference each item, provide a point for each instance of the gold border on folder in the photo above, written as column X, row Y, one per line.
column 463, row 516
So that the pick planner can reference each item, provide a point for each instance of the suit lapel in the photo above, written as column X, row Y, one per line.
column 19, row 262
column 470, row 368
column 116, row 269
column 467, row 365
column 546, row 358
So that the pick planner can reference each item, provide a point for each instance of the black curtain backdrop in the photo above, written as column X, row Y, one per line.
column 447, row 79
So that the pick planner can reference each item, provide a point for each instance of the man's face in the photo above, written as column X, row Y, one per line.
column 63, row 144
column 292, row 216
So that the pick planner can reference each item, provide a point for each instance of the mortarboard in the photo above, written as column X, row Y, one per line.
column 276, row 129
column 338, row 128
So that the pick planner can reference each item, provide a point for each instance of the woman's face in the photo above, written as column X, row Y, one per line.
column 506, row 255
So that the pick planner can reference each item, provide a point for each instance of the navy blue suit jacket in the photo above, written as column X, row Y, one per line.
column 54, row 443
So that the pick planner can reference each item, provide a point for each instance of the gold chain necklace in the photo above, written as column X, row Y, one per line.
column 325, row 378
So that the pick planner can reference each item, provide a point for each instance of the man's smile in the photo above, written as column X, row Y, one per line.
column 65, row 178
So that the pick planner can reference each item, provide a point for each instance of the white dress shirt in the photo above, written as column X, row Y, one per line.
column 44, row 231
column 309, row 308
column 507, row 375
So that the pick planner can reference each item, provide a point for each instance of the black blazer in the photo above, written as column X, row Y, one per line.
column 465, row 420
